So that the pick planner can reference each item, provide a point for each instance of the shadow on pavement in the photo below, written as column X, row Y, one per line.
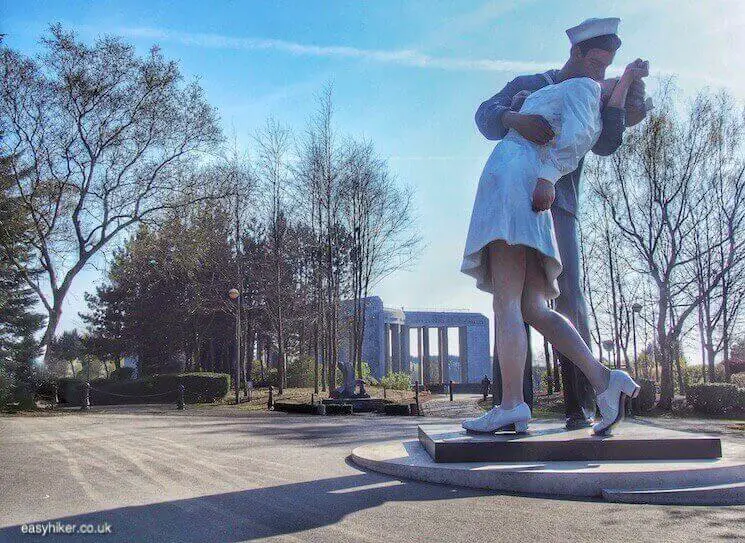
column 250, row 514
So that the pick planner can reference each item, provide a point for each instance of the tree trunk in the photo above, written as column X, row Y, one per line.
column 679, row 367
column 54, row 315
column 704, row 368
column 315, row 359
column 665, row 360
column 549, row 372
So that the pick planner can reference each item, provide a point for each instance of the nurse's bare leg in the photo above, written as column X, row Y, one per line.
column 507, row 272
column 556, row 327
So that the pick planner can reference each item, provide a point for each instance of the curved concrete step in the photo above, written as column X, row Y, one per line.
column 727, row 494
column 408, row 459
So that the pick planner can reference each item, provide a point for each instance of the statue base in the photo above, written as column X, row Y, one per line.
column 359, row 405
column 450, row 443
column 638, row 464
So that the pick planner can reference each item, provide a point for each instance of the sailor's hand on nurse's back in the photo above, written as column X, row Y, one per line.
column 532, row 127
column 543, row 195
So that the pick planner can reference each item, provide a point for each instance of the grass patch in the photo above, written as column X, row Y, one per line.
column 260, row 397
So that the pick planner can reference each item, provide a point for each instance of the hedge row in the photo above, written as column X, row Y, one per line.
column 647, row 397
column 719, row 399
column 198, row 388
column 738, row 379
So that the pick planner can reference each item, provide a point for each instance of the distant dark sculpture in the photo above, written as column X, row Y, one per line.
column 345, row 391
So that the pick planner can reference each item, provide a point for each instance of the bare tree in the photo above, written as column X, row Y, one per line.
column 717, row 237
column 379, row 213
column 274, row 144
column 318, row 180
column 108, row 140
column 653, row 188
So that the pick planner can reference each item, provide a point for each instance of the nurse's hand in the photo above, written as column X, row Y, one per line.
column 543, row 195
column 518, row 100
column 635, row 109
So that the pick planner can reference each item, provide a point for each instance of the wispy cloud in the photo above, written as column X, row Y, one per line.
column 403, row 57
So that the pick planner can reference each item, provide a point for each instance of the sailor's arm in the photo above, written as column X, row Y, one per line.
column 494, row 117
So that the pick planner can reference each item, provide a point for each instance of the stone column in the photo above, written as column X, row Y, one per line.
column 396, row 347
column 405, row 349
column 442, row 337
column 386, row 348
column 426, row 366
column 419, row 347
column 463, row 350
column 479, row 355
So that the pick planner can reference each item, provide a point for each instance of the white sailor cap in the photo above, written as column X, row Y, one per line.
column 591, row 28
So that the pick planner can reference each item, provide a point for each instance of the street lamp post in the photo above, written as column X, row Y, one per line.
column 608, row 345
column 235, row 295
column 636, row 308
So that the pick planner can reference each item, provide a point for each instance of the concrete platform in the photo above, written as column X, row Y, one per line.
column 733, row 493
column 359, row 405
column 701, row 481
column 552, row 442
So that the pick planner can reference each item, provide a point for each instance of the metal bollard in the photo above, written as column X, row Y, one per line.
column 270, row 403
column 180, row 405
column 85, row 403
column 450, row 386
column 416, row 397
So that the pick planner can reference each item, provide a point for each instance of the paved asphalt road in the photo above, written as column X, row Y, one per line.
column 191, row 477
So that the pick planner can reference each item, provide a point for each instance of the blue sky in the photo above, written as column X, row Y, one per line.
column 407, row 75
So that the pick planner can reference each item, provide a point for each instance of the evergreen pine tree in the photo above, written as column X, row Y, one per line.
column 19, row 349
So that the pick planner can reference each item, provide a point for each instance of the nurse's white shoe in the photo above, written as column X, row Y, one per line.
column 612, row 402
column 498, row 418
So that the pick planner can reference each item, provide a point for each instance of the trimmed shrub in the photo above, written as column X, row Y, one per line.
column 124, row 373
column 199, row 387
column 719, row 399
column 69, row 390
column 46, row 388
column 738, row 379
column 396, row 381
column 107, row 392
column 163, row 388
column 647, row 397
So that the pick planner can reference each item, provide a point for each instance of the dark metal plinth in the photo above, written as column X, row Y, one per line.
column 553, row 442
column 360, row 405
